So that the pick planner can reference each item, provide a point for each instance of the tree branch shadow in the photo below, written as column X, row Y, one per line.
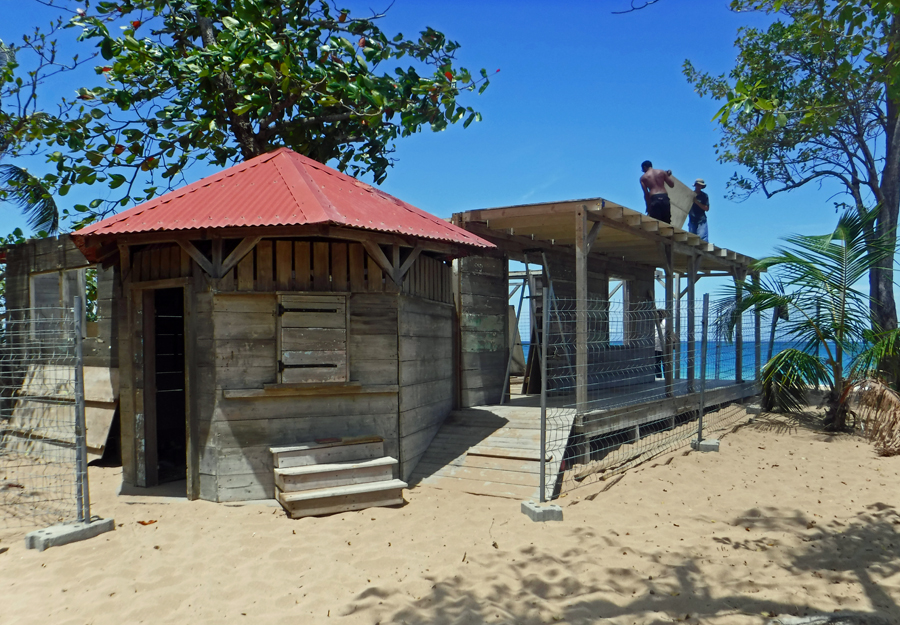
column 535, row 585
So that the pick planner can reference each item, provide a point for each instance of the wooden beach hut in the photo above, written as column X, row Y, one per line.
column 275, row 303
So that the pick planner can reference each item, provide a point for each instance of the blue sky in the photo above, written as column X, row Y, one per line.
column 582, row 97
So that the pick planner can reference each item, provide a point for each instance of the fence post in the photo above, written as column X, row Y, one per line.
column 757, row 333
column 512, row 347
column 83, row 495
column 545, row 322
column 704, row 342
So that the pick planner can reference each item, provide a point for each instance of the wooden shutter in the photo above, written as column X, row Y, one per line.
column 312, row 333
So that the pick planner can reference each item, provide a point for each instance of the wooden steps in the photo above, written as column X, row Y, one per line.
column 335, row 475
column 342, row 498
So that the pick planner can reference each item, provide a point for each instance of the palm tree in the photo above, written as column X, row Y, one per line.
column 815, row 280
column 23, row 189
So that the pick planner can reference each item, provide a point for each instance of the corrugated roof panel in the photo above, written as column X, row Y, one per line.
column 281, row 188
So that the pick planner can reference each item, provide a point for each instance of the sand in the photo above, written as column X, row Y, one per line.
column 784, row 520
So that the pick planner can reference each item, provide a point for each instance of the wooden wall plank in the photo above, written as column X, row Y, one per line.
column 339, row 267
column 301, row 266
column 283, row 266
column 375, row 276
column 185, row 260
column 320, row 268
column 145, row 264
column 426, row 369
column 357, row 267
column 245, row 273
column 264, row 266
column 154, row 263
column 226, row 282
column 164, row 267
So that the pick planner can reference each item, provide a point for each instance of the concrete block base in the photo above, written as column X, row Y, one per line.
column 541, row 514
column 753, row 411
column 67, row 533
column 707, row 444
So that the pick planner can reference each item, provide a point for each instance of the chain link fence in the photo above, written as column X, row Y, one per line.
column 43, row 472
column 631, row 407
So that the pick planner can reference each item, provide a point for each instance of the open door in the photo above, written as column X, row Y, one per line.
column 165, row 409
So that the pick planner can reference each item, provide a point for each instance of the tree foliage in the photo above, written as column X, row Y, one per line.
column 26, row 67
column 814, row 97
column 221, row 81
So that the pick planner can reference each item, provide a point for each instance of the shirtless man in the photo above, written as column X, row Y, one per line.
column 653, row 183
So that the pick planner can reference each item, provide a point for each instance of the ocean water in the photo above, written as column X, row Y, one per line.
column 721, row 358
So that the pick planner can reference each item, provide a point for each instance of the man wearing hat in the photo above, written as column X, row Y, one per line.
column 697, row 217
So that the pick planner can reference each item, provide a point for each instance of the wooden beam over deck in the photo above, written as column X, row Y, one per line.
column 599, row 422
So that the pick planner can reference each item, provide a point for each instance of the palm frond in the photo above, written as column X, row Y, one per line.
column 23, row 189
column 787, row 377
column 880, row 348
column 878, row 407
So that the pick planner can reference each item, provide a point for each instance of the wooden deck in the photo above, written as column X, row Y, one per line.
column 495, row 450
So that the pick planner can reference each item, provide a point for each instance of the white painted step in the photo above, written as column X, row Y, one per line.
column 330, row 451
column 335, row 474
column 341, row 498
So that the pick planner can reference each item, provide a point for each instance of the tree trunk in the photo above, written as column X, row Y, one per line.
column 881, row 279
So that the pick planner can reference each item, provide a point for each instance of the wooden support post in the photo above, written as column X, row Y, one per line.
column 676, row 352
column 124, row 263
column 669, row 343
column 582, row 249
column 691, row 320
column 151, row 464
column 739, row 276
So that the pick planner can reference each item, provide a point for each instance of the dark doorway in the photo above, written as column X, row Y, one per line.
column 171, row 437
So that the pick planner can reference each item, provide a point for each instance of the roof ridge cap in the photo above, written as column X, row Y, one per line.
column 298, row 167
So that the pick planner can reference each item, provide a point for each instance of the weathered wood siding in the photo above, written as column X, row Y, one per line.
column 332, row 266
column 160, row 261
column 235, row 463
column 232, row 347
column 639, row 329
column 426, row 375
column 62, row 266
column 483, row 329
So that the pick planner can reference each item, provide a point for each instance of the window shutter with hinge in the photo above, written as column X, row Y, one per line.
column 312, row 338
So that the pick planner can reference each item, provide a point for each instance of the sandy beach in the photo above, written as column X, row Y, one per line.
column 784, row 520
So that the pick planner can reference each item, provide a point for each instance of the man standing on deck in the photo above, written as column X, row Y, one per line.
column 697, row 217
column 653, row 184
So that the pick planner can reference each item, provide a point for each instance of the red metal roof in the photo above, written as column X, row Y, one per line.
column 281, row 188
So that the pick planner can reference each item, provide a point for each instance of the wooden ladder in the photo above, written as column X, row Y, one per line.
column 335, row 475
